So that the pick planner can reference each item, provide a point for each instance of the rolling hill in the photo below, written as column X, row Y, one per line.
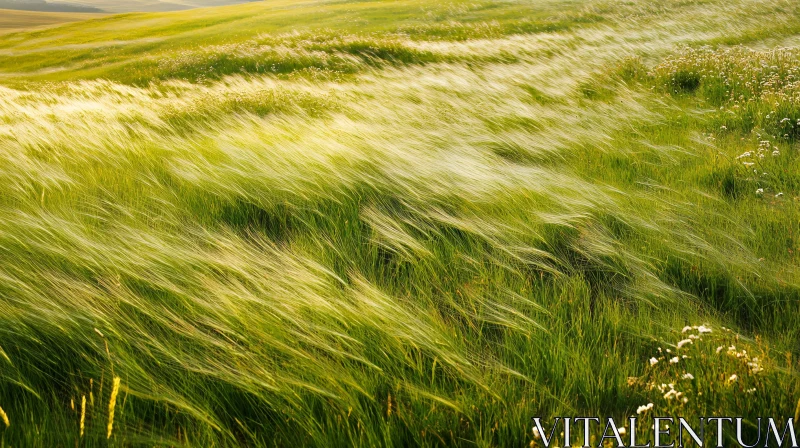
column 398, row 223
column 117, row 6
column 14, row 20
column 112, row 6
column 43, row 6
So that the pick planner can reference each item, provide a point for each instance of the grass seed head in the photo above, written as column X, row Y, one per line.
column 111, row 405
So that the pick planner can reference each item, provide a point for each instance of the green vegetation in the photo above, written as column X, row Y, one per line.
column 397, row 224
column 43, row 6
column 13, row 21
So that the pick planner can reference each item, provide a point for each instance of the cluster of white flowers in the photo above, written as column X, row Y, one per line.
column 752, row 363
column 764, row 147
column 642, row 409
column 743, row 79
column 671, row 393
column 685, row 379
column 755, row 367
column 700, row 329
column 732, row 352
column 690, row 338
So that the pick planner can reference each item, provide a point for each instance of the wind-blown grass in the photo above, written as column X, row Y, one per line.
column 413, row 231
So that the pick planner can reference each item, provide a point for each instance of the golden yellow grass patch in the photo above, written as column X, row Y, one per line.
column 11, row 20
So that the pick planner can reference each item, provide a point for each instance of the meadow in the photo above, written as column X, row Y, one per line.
column 127, row 6
column 352, row 223
column 16, row 21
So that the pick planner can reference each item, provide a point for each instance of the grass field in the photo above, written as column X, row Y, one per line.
column 326, row 223
column 122, row 6
column 96, row 7
column 12, row 21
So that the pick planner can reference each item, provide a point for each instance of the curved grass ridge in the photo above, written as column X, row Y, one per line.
column 419, row 254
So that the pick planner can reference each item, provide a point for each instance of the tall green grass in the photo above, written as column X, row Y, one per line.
column 423, row 227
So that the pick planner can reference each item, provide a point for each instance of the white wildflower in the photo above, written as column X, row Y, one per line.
column 754, row 366
column 653, row 361
column 645, row 408
column 672, row 393
column 684, row 342
column 688, row 376
column 674, row 360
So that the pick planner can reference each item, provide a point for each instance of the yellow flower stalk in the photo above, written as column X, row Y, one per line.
column 111, row 404
column 797, row 412
column 83, row 412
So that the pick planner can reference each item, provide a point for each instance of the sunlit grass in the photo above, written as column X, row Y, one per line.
column 395, row 224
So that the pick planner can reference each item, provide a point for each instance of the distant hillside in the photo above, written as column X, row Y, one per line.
column 113, row 6
column 41, row 5
column 16, row 20
column 121, row 6
column 397, row 223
